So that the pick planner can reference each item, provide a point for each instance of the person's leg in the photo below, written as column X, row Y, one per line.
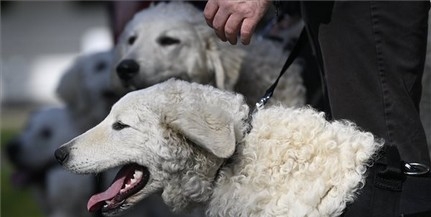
column 372, row 55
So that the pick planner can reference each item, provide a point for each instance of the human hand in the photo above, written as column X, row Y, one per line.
column 230, row 17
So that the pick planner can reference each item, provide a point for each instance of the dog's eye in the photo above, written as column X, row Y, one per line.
column 100, row 66
column 166, row 41
column 45, row 133
column 119, row 126
column 131, row 40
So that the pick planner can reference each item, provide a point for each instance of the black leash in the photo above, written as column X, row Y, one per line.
column 302, row 40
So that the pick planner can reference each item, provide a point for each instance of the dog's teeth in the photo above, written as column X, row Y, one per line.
column 132, row 181
column 137, row 174
column 127, row 186
column 107, row 203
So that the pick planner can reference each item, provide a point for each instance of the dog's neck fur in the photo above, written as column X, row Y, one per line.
column 198, row 192
column 191, row 188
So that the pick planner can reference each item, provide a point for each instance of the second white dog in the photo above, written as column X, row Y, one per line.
column 173, row 40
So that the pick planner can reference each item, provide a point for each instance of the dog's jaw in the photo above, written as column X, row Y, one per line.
column 150, row 188
column 130, row 179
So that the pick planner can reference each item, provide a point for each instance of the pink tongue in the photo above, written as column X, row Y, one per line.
column 96, row 201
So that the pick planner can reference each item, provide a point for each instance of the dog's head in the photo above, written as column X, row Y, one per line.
column 88, row 81
column 173, row 40
column 171, row 138
column 31, row 151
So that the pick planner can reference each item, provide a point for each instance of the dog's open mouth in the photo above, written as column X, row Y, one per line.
column 129, row 180
column 22, row 178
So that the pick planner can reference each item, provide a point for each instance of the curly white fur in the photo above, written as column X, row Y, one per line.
column 292, row 163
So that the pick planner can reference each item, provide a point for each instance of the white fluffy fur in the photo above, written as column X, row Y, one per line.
column 201, row 57
column 292, row 163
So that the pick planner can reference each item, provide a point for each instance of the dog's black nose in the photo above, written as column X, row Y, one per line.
column 61, row 155
column 127, row 69
column 13, row 149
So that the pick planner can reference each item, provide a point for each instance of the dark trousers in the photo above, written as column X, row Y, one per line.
column 371, row 56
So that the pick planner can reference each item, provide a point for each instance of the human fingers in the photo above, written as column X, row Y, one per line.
column 232, row 28
column 210, row 11
column 258, row 9
column 219, row 23
column 247, row 30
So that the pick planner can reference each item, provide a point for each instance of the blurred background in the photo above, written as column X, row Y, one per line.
column 39, row 40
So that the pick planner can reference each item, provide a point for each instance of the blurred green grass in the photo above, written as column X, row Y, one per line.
column 14, row 202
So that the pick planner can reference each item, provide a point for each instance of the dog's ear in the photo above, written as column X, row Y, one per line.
column 222, row 58
column 211, row 129
column 68, row 88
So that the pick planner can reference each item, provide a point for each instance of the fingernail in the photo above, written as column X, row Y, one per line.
column 245, row 42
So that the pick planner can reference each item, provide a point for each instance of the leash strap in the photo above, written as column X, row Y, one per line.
column 388, row 183
column 292, row 56
column 391, row 174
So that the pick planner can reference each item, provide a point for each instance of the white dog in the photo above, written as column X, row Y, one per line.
column 58, row 192
column 87, row 91
column 194, row 144
column 173, row 40
column 55, row 189
column 86, row 88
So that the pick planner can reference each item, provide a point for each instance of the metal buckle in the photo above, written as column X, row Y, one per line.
column 415, row 169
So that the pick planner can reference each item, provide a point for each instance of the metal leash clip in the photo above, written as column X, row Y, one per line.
column 262, row 102
column 415, row 169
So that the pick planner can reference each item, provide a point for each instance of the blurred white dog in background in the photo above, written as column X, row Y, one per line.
column 173, row 40
column 31, row 152
column 86, row 88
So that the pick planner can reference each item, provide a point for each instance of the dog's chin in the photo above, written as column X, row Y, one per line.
column 126, row 189
column 128, row 85
column 125, row 205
